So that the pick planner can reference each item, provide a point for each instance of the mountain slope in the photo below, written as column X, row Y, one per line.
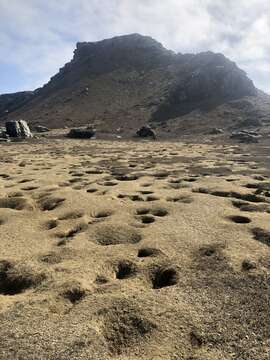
column 130, row 80
column 11, row 102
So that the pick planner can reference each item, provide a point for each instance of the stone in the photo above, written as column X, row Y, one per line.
column 85, row 133
column 41, row 129
column 248, row 264
column 146, row 131
column 246, row 136
column 13, row 128
column 3, row 134
column 18, row 129
column 215, row 131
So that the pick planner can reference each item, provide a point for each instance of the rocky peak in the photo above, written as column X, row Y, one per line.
column 119, row 43
column 130, row 51
column 130, row 80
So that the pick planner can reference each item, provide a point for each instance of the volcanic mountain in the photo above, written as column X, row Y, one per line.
column 131, row 80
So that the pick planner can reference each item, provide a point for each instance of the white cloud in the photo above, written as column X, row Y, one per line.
column 39, row 36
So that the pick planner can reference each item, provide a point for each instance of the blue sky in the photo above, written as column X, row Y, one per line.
column 37, row 37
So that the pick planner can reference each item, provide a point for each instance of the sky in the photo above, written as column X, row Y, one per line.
column 37, row 37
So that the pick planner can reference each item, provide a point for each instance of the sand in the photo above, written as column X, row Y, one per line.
column 134, row 250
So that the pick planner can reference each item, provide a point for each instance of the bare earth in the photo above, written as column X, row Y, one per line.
column 128, row 250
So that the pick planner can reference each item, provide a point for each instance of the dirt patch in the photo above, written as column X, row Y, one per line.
column 101, row 214
column 76, row 214
column 51, row 224
column 126, row 328
column 51, row 258
column 73, row 292
column 16, row 278
column 51, row 203
column 239, row 219
column 148, row 252
column 261, row 235
column 125, row 269
column 165, row 276
column 117, row 234
column 147, row 219
column 15, row 203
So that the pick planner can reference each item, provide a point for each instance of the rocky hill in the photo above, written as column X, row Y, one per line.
column 11, row 102
column 131, row 80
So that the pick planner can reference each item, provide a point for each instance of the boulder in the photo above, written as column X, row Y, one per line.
column 3, row 134
column 146, row 131
column 4, row 140
column 13, row 128
column 41, row 129
column 18, row 129
column 85, row 133
column 246, row 136
column 215, row 131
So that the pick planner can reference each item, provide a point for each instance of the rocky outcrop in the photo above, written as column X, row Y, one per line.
column 3, row 135
column 246, row 136
column 146, row 131
column 18, row 129
column 86, row 133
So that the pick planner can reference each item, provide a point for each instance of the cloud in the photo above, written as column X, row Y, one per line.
column 38, row 36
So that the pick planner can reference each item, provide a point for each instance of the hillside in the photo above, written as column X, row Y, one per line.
column 127, row 81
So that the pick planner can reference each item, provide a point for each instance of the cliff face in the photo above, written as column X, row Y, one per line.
column 129, row 80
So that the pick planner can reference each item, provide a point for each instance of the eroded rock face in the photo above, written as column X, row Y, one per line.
column 18, row 129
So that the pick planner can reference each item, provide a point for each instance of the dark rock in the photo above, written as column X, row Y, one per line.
column 215, row 131
column 18, row 129
column 251, row 132
column 13, row 128
column 41, row 129
column 146, row 131
column 3, row 134
column 85, row 133
column 246, row 136
column 85, row 91
column 248, row 264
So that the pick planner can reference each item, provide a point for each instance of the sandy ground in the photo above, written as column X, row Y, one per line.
column 128, row 250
